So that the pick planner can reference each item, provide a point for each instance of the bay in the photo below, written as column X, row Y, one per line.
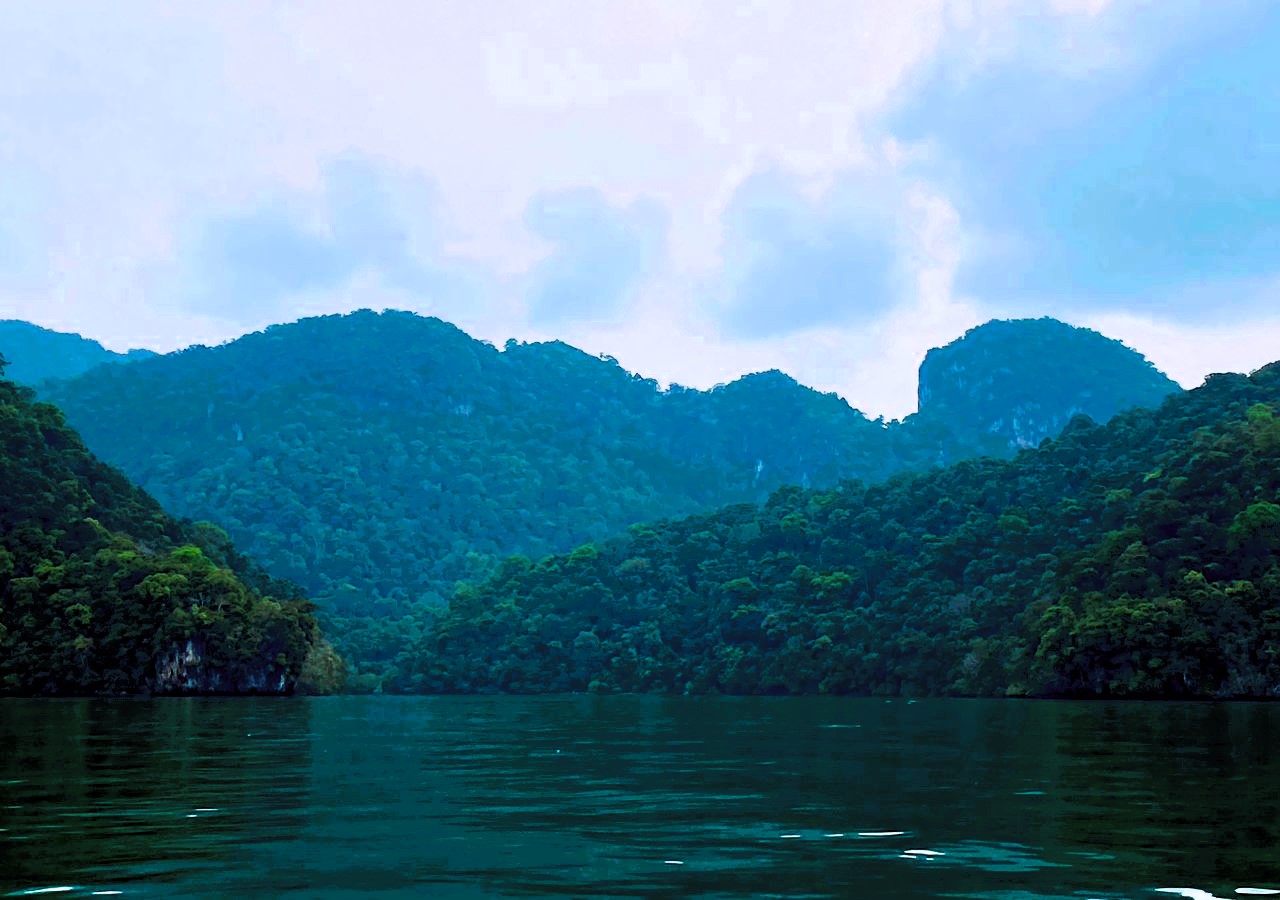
column 585, row 796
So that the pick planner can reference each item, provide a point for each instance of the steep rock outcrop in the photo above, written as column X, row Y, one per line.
column 184, row 668
column 1008, row 385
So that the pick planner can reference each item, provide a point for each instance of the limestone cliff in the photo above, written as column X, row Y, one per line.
column 1008, row 385
column 185, row 668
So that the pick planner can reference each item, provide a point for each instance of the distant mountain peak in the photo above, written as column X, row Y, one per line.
column 768, row 377
column 35, row 353
column 1022, row 380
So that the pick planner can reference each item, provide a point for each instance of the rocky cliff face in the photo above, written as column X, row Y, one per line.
column 1011, row 384
column 185, row 669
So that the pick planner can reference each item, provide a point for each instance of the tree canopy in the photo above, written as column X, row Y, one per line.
column 1139, row 558
column 378, row 459
column 102, row 592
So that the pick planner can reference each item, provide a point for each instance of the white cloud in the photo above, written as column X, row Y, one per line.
column 1187, row 353
column 872, row 366
column 131, row 125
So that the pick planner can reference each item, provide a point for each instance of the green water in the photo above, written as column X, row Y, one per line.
column 636, row 797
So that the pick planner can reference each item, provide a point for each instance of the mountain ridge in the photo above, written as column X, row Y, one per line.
column 35, row 353
column 379, row 458
column 1140, row 558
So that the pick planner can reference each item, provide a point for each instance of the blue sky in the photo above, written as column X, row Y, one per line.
column 698, row 189
column 1145, row 188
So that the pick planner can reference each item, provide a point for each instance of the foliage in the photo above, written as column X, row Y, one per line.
column 98, row 585
column 1140, row 558
column 379, row 459
column 1008, row 385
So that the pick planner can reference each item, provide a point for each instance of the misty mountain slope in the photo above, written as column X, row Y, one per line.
column 377, row 459
column 1140, row 558
column 36, row 353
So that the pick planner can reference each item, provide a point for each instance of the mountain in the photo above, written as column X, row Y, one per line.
column 1008, row 385
column 101, row 592
column 1139, row 558
column 36, row 353
column 377, row 459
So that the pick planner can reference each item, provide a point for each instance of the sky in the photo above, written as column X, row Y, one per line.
column 698, row 189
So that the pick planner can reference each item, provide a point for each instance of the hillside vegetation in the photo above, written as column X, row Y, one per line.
column 378, row 459
column 1139, row 558
column 102, row 592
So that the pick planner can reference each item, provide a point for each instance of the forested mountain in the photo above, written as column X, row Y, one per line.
column 377, row 459
column 102, row 592
column 1139, row 558
column 36, row 353
column 1007, row 385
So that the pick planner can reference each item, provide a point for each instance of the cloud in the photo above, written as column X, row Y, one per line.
column 872, row 364
column 363, row 221
column 139, row 123
column 261, row 257
column 1142, row 184
column 699, row 189
column 793, row 262
column 598, row 254
column 1189, row 352
column 22, row 232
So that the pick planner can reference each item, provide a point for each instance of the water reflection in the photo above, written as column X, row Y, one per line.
column 637, row 797
column 99, row 795
column 1186, row 789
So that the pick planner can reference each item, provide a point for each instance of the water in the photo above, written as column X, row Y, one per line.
column 637, row 797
